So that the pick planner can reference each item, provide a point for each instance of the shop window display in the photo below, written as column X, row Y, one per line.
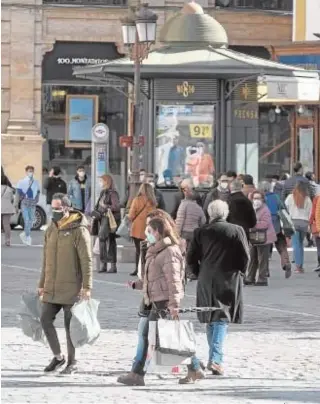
column 184, row 144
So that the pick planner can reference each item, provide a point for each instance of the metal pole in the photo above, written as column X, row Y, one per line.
column 134, row 179
column 223, row 131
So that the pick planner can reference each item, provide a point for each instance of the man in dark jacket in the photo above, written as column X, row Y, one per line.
column 53, row 184
column 291, row 182
column 222, row 192
column 66, row 274
column 241, row 211
column 218, row 255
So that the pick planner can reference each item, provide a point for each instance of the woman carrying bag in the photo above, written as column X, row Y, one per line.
column 106, row 219
column 261, row 236
column 7, row 208
column 144, row 203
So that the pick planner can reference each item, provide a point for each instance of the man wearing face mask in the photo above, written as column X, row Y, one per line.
column 221, row 192
column 53, row 184
column 66, row 275
column 28, row 192
column 79, row 190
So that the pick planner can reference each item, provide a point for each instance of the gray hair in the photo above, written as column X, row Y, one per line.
column 65, row 201
column 235, row 186
column 218, row 210
column 264, row 186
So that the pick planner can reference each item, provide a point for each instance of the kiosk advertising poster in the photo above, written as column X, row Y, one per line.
column 81, row 116
column 185, row 144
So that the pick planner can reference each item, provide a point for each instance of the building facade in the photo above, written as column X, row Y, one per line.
column 43, row 40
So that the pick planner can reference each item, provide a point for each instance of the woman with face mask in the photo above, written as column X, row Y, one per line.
column 259, row 253
column 163, row 286
column 108, row 200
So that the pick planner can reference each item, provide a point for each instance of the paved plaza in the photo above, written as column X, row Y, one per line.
column 274, row 357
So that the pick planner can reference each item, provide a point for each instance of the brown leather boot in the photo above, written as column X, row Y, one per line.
column 131, row 379
column 192, row 376
column 215, row 369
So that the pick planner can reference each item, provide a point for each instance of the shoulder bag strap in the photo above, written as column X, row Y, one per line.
column 139, row 212
column 28, row 189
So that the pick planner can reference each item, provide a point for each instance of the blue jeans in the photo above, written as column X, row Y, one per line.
column 28, row 214
column 216, row 334
column 297, row 245
column 141, row 343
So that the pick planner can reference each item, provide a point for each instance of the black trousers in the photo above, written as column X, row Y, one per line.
column 48, row 315
column 137, row 242
column 154, row 315
column 108, row 249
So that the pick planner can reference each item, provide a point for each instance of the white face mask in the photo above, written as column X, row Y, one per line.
column 257, row 204
column 81, row 174
column 101, row 184
column 224, row 185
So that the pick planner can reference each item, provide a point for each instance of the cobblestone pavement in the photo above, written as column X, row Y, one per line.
column 272, row 358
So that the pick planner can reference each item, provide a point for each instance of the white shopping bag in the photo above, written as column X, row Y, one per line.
column 96, row 247
column 162, row 359
column 84, row 326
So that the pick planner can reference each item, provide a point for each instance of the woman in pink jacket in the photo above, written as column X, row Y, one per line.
column 259, row 253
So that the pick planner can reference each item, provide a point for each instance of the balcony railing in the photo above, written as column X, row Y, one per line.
column 274, row 5
column 111, row 3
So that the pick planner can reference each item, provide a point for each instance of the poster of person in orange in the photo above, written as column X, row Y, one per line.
column 200, row 165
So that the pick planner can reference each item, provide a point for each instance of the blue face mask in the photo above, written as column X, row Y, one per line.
column 30, row 174
column 151, row 238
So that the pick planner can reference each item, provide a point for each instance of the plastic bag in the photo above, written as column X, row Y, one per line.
column 124, row 228
column 84, row 326
column 29, row 317
column 96, row 247
column 176, row 338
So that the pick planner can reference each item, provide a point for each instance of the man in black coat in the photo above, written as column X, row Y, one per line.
column 241, row 211
column 54, row 184
column 222, row 192
column 218, row 255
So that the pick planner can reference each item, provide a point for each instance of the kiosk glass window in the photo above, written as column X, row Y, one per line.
column 184, row 144
column 60, row 151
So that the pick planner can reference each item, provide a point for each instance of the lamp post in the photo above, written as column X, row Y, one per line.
column 139, row 33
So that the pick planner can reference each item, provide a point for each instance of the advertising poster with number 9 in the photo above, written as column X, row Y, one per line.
column 184, row 143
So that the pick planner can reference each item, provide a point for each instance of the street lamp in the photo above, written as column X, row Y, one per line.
column 139, row 33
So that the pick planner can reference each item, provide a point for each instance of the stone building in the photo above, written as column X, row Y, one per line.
column 43, row 40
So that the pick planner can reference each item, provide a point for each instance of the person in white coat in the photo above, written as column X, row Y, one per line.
column 7, row 208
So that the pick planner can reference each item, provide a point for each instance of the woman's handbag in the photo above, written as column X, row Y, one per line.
column 104, row 229
column 285, row 220
column 95, row 214
column 112, row 221
column 258, row 236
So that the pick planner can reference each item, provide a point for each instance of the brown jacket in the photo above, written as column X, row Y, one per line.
column 315, row 216
column 67, row 260
column 164, row 274
column 139, row 210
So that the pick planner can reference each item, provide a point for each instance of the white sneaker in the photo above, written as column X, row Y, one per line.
column 28, row 241
column 23, row 237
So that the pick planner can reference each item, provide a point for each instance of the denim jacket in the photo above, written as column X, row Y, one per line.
column 74, row 193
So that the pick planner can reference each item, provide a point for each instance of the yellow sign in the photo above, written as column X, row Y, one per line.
column 246, row 114
column 201, row 130
column 245, row 91
column 186, row 89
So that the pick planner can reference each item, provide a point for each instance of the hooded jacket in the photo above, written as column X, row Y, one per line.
column 164, row 274
column 67, row 260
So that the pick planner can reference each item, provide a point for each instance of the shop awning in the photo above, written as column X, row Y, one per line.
column 206, row 62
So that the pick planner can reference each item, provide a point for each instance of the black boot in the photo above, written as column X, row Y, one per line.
column 134, row 273
column 103, row 268
column 113, row 269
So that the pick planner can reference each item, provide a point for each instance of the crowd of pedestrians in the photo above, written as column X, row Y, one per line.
column 223, row 241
